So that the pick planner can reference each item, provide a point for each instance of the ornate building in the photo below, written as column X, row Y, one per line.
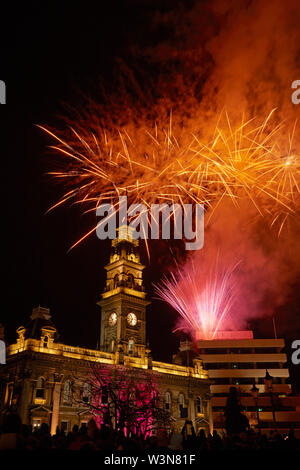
column 43, row 376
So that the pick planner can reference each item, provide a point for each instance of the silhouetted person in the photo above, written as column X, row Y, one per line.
column 215, row 441
column 189, row 436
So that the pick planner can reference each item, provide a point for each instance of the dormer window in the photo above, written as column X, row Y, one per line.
column 46, row 340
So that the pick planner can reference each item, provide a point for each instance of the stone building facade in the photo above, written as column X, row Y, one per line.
column 43, row 379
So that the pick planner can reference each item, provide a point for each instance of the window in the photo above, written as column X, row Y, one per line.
column 130, row 280
column 198, row 405
column 130, row 346
column 67, row 392
column 182, row 409
column 215, row 351
column 86, row 393
column 216, row 365
column 168, row 401
column 40, row 388
column 116, row 280
column 220, row 380
column 266, row 350
column 242, row 381
column 268, row 365
column 46, row 339
column 181, row 400
column 154, row 397
column 104, row 395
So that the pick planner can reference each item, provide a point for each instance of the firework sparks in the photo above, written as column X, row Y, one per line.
column 156, row 166
column 203, row 297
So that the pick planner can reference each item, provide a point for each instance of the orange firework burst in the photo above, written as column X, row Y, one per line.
column 247, row 162
column 155, row 166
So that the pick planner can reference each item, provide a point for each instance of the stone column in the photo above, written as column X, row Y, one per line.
column 55, row 404
column 25, row 400
column 192, row 415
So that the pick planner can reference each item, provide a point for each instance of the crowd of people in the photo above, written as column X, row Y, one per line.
column 14, row 435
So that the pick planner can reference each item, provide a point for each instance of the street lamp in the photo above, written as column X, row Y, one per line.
column 254, row 392
column 269, row 388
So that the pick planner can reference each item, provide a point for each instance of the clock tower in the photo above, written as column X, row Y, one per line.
column 123, row 303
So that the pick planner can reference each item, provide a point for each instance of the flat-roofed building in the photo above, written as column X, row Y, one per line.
column 237, row 359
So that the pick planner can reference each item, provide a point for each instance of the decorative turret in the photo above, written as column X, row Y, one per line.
column 40, row 326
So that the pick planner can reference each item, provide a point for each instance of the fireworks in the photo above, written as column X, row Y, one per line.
column 202, row 295
column 155, row 166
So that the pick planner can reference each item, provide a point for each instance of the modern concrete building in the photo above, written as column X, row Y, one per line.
column 238, row 359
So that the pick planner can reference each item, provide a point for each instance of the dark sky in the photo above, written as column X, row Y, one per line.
column 48, row 52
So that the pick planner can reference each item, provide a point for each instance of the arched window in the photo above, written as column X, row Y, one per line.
column 40, row 388
column 167, row 401
column 130, row 280
column 181, row 400
column 46, row 339
column 86, row 393
column 183, row 411
column 130, row 346
column 67, row 391
column 198, row 405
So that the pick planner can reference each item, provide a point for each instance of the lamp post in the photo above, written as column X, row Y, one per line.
column 269, row 387
column 254, row 392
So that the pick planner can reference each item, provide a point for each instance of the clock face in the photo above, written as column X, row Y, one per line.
column 132, row 319
column 112, row 319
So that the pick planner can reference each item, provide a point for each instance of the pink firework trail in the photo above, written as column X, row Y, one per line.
column 203, row 297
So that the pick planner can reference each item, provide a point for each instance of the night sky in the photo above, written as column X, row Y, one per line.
column 49, row 55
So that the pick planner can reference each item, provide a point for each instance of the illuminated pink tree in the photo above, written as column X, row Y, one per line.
column 126, row 400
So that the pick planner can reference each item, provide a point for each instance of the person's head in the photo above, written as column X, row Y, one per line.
column 92, row 428
column 75, row 429
column 44, row 429
column 25, row 430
